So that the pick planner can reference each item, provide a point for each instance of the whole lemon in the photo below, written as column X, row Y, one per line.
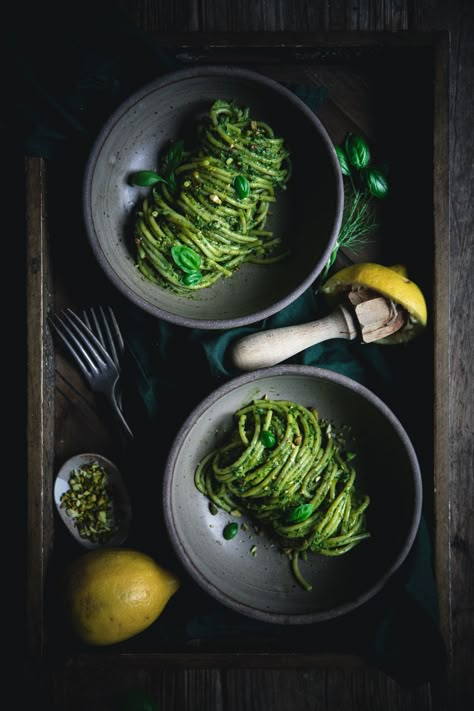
column 115, row 593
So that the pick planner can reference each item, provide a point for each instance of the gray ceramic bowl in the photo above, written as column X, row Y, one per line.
column 263, row 586
column 308, row 214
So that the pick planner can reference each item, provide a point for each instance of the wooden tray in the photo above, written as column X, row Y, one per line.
column 391, row 87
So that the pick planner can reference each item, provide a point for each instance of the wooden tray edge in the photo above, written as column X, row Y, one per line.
column 40, row 358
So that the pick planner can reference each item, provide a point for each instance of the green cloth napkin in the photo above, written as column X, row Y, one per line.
column 172, row 369
column 67, row 82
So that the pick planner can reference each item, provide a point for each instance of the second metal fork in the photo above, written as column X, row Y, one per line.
column 95, row 363
column 102, row 322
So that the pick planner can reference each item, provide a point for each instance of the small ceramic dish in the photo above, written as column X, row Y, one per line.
column 115, row 488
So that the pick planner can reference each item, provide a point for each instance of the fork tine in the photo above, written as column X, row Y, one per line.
column 72, row 344
column 92, row 359
column 115, row 332
column 106, row 329
column 85, row 318
column 90, row 319
column 108, row 335
column 88, row 339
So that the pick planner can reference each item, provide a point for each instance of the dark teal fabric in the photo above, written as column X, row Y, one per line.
column 172, row 369
column 68, row 75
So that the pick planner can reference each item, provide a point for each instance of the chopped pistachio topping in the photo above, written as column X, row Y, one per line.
column 89, row 503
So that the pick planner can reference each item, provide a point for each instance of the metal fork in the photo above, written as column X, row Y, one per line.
column 95, row 363
column 102, row 322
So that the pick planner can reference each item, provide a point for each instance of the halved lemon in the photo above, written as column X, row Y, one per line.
column 391, row 282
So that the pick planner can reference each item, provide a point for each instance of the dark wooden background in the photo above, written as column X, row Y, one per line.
column 328, row 687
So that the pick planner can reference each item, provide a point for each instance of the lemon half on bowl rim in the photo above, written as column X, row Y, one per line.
column 391, row 282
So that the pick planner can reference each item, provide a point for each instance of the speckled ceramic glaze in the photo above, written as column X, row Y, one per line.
column 262, row 586
column 307, row 215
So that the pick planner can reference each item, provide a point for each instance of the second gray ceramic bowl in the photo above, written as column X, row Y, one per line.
column 263, row 586
column 308, row 214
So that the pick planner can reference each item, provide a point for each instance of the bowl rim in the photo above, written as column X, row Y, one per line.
column 93, row 156
column 265, row 615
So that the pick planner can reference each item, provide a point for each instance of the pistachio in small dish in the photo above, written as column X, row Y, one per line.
column 92, row 501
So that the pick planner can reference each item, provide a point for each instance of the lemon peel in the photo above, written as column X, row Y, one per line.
column 391, row 282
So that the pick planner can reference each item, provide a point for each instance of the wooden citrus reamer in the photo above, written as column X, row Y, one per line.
column 364, row 314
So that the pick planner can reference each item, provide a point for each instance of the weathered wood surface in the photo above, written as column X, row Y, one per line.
column 324, row 686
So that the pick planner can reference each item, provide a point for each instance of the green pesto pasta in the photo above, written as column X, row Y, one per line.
column 216, row 204
column 291, row 473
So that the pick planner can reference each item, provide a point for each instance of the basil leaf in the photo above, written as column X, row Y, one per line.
column 146, row 178
column 172, row 182
column 376, row 183
column 241, row 186
column 268, row 439
column 173, row 157
column 343, row 162
column 357, row 150
column 192, row 278
column 186, row 258
column 230, row 531
column 300, row 513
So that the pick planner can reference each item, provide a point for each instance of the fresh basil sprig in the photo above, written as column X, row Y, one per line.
column 186, row 258
column 362, row 182
column 355, row 162
column 300, row 513
column 241, row 186
column 171, row 160
column 173, row 157
column 357, row 151
column 268, row 439
column 146, row 178
column 343, row 162
column 376, row 182
column 192, row 278
column 189, row 262
column 230, row 531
